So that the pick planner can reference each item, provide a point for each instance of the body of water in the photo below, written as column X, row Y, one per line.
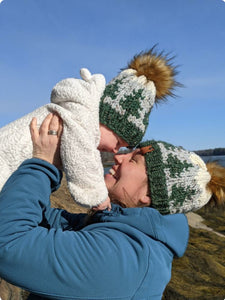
column 219, row 158
column 106, row 169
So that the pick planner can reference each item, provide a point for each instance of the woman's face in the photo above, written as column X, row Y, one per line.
column 127, row 180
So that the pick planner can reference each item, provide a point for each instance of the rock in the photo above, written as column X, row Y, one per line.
column 196, row 221
column 10, row 292
column 200, row 273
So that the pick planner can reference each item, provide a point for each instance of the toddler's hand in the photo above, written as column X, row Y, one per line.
column 105, row 205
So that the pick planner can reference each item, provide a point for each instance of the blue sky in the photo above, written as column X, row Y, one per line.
column 44, row 41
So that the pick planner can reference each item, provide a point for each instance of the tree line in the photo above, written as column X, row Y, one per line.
column 211, row 152
column 107, row 157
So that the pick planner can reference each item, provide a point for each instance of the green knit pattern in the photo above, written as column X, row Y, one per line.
column 171, row 178
column 125, row 107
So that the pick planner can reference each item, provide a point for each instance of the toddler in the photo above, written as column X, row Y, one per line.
column 95, row 118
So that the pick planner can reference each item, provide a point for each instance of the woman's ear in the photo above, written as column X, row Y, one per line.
column 145, row 200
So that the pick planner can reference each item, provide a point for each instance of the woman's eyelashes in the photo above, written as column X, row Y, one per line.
column 136, row 158
column 133, row 159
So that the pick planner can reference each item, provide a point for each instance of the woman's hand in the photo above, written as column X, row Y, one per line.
column 46, row 139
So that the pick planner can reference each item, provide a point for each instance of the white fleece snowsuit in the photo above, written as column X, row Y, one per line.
column 77, row 103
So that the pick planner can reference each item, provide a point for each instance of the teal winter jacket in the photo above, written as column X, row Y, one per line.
column 124, row 254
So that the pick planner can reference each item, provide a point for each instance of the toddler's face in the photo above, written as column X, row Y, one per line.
column 110, row 141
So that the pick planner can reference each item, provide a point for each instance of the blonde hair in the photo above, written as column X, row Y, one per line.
column 216, row 184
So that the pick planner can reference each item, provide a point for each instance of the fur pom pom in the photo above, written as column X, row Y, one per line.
column 157, row 68
column 217, row 183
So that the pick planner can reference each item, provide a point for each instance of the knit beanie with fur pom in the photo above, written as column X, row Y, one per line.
column 129, row 97
column 177, row 178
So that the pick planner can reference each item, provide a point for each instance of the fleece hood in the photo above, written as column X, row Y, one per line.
column 171, row 230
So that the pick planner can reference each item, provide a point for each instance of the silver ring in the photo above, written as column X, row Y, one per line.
column 53, row 132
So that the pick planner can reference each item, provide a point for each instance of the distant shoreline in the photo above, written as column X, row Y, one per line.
column 211, row 152
column 107, row 158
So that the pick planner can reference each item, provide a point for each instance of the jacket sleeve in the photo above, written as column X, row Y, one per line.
column 51, row 217
column 58, row 218
column 51, row 261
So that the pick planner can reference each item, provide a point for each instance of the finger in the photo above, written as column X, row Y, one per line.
column 105, row 205
column 109, row 206
column 45, row 124
column 60, row 130
column 33, row 129
column 54, row 124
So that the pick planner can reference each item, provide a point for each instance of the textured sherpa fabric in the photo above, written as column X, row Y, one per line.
column 77, row 103
column 177, row 178
column 126, row 105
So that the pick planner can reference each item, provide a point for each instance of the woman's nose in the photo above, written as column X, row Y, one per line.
column 119, row 158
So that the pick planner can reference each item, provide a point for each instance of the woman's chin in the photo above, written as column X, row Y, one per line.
column 109, row 180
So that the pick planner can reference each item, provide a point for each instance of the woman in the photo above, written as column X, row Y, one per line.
column 126, row 253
